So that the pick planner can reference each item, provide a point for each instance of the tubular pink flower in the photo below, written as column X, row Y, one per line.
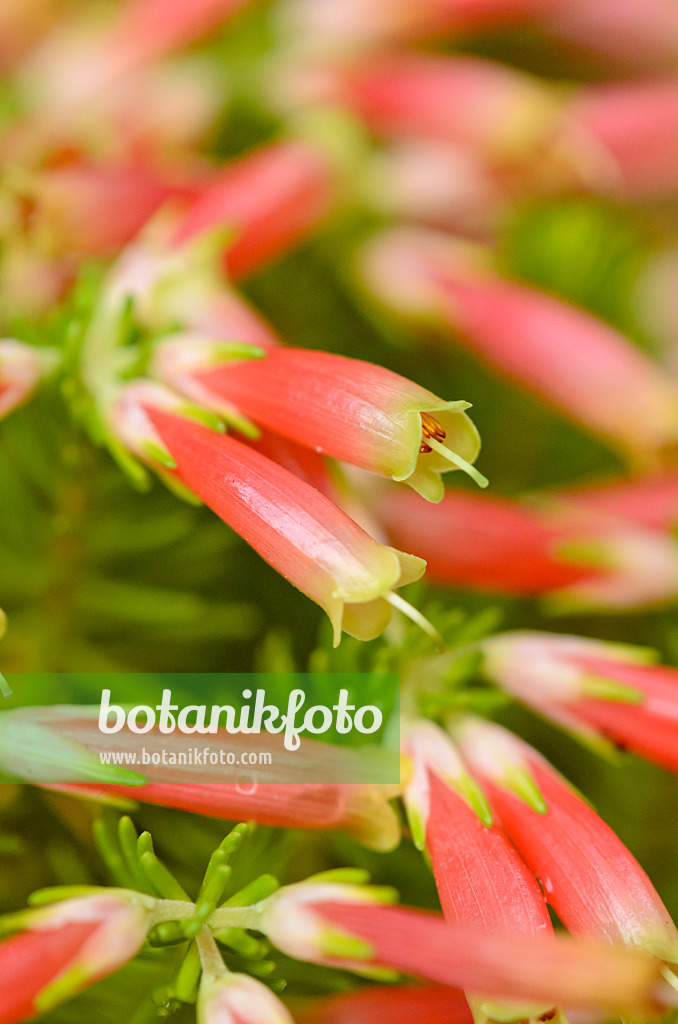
column 65, row 948
column 479, row 876
column 574, row 559
column 239, row 999
column 384, row 1004
column 361, row 810
column 353, row 411
column 344, row 926
column 591, row 880
column 581, row 366
column 466, row 101
column 21, row 368
column 291, row 525
column 271, row 199
column 592, row 687
column 635, row 128
column 140, row 33
column 94, row 209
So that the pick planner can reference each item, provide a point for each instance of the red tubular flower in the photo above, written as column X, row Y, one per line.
column 573, row 558
column 361, row 810
column 479, row 876
column 65, row 948
column 21, row 368
column 487, row 107
column 291, row 525
column 584, row 368
column 353, row 411
column 591, row 880
column 382, row 1004
column 593, row 687
column 271, row 198
column 345, row 926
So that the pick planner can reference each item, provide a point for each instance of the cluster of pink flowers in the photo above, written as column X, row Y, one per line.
column 299, row 451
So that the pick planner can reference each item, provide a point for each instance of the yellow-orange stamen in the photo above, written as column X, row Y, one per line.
column 429, row 428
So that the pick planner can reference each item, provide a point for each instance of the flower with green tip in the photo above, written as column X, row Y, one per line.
column 353, row 411
column 64, row 948
column 479, row 876
column 601, row 691
column 594, row 884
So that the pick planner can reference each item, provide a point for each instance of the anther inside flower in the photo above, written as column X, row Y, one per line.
column 430, row 428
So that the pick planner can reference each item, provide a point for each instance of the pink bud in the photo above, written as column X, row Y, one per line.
column 479, row 876
column 635, row 128
column 239, row 999
column 353, row 411
column 591, row 880
column 271, row 199
column 292, row 526
column 575, row 559
column 584, row 368
column 384, row 1004
column 598, row 688
column 65, row 948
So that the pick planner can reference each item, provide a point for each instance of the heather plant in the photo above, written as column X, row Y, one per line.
column 270, row 272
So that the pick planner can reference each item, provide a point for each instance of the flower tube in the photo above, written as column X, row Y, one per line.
column 595, row 688
column 621, row 29
column 567, row 357
column 64, row 949
column 591, row 880
column 574, row 559
column 382, row 1004
column 238, row 999
column 634, row 127
column 271, row 199
column 291, row 525
column 354, row 411
column 347, row 926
